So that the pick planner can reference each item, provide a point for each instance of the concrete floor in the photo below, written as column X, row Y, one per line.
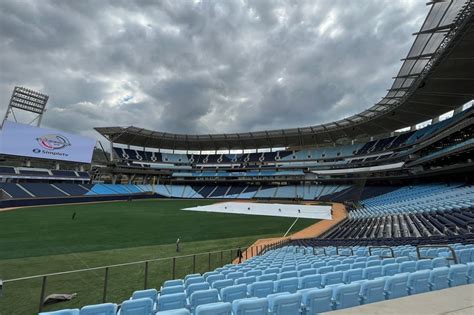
column 452, row 301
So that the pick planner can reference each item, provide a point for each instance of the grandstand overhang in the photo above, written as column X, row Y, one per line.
column 436, row 76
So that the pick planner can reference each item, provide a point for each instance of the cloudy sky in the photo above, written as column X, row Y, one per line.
column 203, row 66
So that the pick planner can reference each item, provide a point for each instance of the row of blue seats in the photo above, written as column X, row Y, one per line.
column 304, row 301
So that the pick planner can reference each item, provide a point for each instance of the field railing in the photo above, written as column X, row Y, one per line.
column 207, row 262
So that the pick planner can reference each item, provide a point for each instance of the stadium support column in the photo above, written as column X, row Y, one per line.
column 458, row 110
column 111, row 151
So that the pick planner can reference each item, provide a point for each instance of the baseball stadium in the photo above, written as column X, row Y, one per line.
column 372, row 213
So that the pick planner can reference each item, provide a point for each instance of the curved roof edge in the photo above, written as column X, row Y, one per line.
column 435, row 77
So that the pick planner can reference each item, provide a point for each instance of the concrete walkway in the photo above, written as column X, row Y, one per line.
column 452, row 301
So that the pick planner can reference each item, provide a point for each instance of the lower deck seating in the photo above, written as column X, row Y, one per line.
column 295, row 280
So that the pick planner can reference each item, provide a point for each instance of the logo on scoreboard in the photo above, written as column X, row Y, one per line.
column 53, row 142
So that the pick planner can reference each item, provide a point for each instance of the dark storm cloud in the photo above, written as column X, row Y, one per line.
column 203, row 66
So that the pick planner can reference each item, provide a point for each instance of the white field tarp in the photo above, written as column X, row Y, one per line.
column 269, row 209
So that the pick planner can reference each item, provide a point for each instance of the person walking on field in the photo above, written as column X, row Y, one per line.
column 177, row 245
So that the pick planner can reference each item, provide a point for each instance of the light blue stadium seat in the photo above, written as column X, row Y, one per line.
column 470, row 273
column 345, row 296
column 464, row 255
column 213, row 278
column 284, row 304
column 171, row 301
column 333, row 263
column 342, row 267
column 171, row 283
column 387, row 261
column 220, row 284
column 317, row 265
column 172, row 290
column 288, row 274
column 181, row 311
column 205, row 275
column 352, row 275
column 99, row 309
column 287, row 268
column 316, row 301
column 197, row 287
column 265, row 277
column 219, row 308
column 74, row 311
column 253, row 273
column 203, row 297
column 255, row 306
column 390, row 270
column 418, row 282
column 309, row 281
column 396, row 286
column 407, row 266
column 439, row 278
column 271, row 270
column 234, row 275
column 424, row 264
column 372, row 291
column 303, row 266
column 305, row 272
column 260, row 289
column 348, row 261
column 440, row 262
column 326, row 269
column 149, row 293
column 246, row 280
column 331, row 278
column 193, row 280
column 193, row 275
column 402, row 259
column 357, row 265
column 235, row 292
column 286, row 285
column 143, row 306
column 457, row 275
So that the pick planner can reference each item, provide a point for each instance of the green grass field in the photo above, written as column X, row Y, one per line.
column 46, row 240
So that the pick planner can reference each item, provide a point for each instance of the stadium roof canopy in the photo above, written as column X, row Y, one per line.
column 436, row 76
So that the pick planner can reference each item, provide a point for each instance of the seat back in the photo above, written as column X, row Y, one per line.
column 149, row 293
column 331, row 278
column 194, row 275
column 271, row 270
column 143, row 306
column 333, row 263
column 357, row 265
column 203, row 297
column 418, row 282
column 287, row 268
column 172, row 290
column 246, row 280
column 74, row 311
column 234, row 292
column 305, row 272
column 219, row 284
column 219, row 308
column 326, row 269
column 286, row 285
column 317, row 300
column 407, row 266
column 288, row 274
column 345, row 296
column 402, row 259
column 234, row 275
column 207, row 274
column 285, row 304
column 371, row 263
column 255, row 273
column 171, row 283
column 351, row 275
column 457, row 275
column 265, row 277
column 439, row 278
column 440, row 262
column 390, row 269
column 213, row 278
column 424, row 264
column 171, row 301
column 99, row 309
column 260, row 289
column 258, row 306
column 193, row 280
column 372, row 291
column 387, row 261
column 396, row 286
column 196, row 287
column 319, row 264
column 309, row 281
column 303, row 266
column 342, row 267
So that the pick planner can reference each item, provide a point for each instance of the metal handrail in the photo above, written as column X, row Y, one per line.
column 453, row 252
column 384, row 247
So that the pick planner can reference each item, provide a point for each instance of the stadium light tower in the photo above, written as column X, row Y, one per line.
column 26, row 100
